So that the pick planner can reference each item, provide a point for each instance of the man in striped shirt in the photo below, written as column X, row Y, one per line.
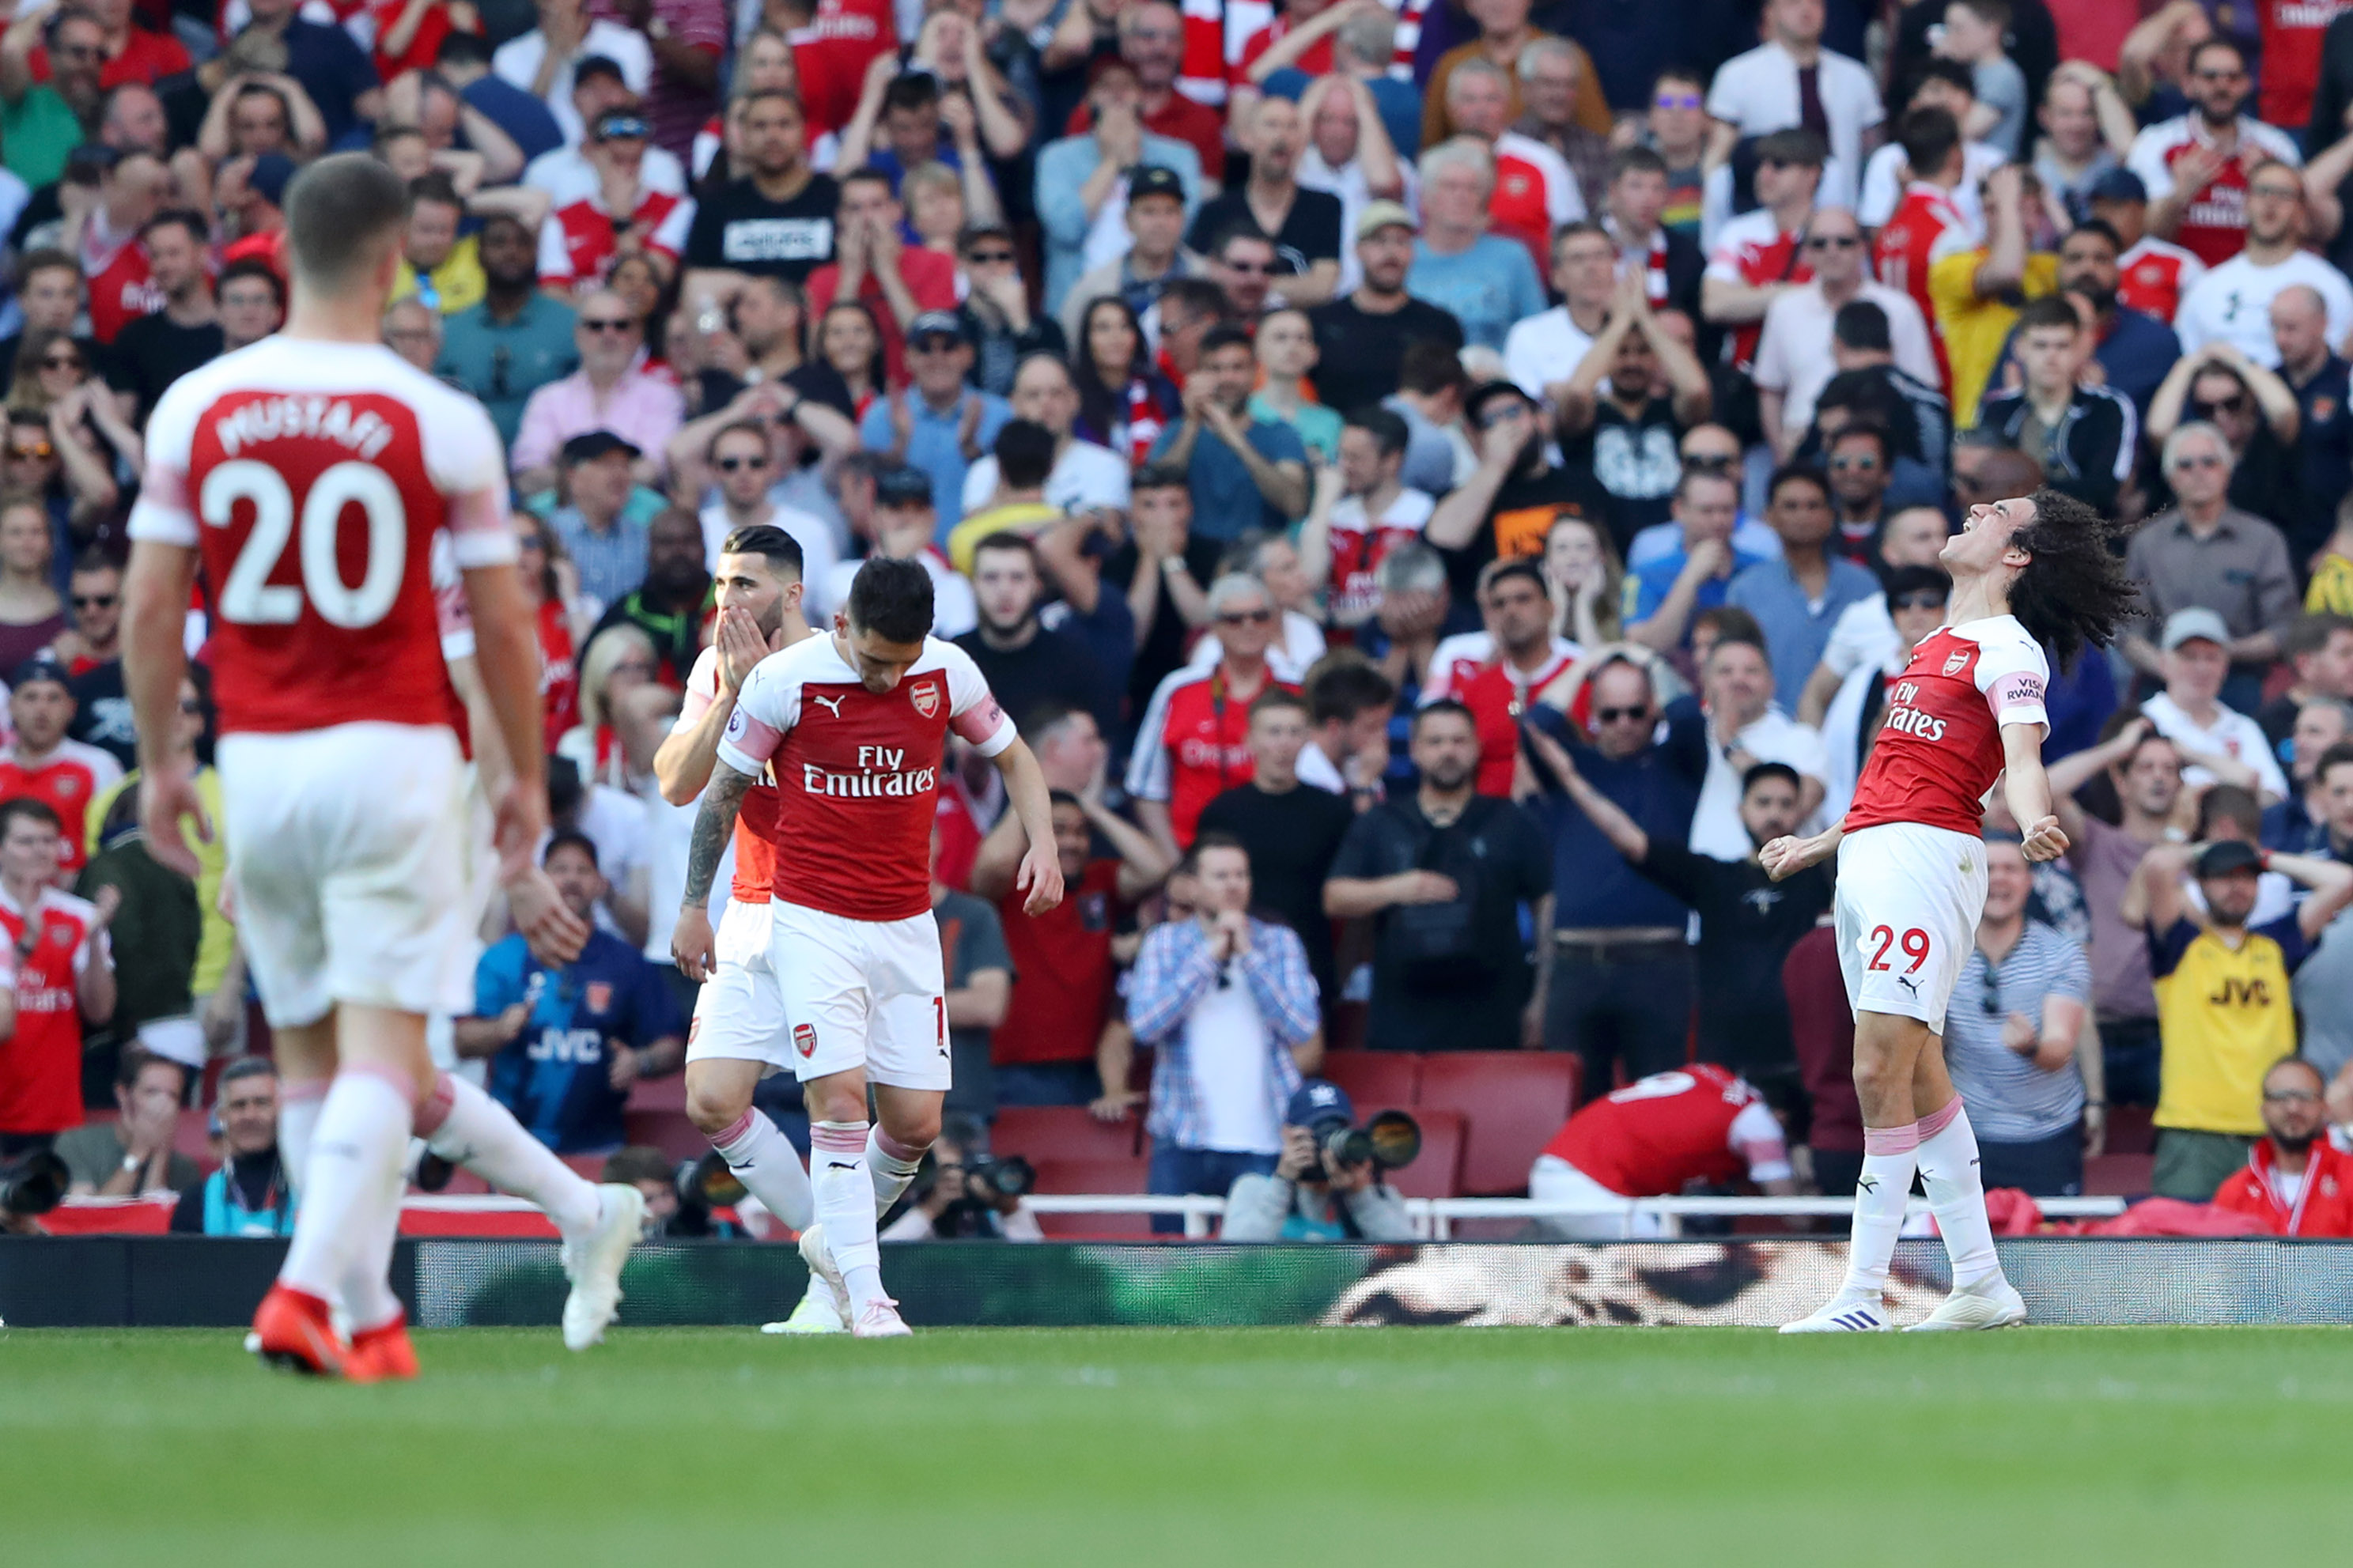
column 2011, row 1036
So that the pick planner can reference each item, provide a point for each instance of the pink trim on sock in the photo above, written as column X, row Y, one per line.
column 732, row 1131
column 839, row 1138
column 303, row 1089
column 435, row 1109
column 896, row 1149
column 1902, row 1140
column 401, row 1082
column 1935, row 1121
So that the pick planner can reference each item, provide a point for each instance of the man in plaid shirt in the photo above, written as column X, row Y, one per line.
column 1230, row 1005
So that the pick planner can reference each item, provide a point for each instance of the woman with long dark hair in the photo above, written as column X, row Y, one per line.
column 1124, row 403
column 849, row 340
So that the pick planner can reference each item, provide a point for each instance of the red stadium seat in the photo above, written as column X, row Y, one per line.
column 668, row 1131
column 2131, row 1129
column 665, row 1093
column 1042, row 1132
column 1093, row 1175
column 590, row 1165
column 1514, row 1101
column 2118, row 1175
column 1438, row 1173
column 1375, row 1080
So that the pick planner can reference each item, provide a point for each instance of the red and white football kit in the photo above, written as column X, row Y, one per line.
column 576, row 246
column 2291, row 33
column 66, row 781
column 1656, row 1135
column 1755, row 250
column 830, row 56
column 1467, row 668
column 1194, row 742
column 43, row 952
column 1360, row 543
column 2214, row 222
column 1535, row 195
column 1925, row 219
column 739, row 1012
column 854, row 947
column 2153, row 276
column 1911, row 866
column 311, row 478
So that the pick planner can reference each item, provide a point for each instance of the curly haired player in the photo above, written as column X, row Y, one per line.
column 1968, row 710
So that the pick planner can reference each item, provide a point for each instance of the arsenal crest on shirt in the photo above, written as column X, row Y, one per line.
column 926, row 697
column 600, row 995
column 1956, row 662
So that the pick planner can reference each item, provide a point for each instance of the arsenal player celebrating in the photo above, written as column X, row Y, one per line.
column 1912, row 875
column 320, row 467
column 851, row 727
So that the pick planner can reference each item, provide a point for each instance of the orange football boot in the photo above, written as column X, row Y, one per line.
column 382, row 1354
column 296, row 1334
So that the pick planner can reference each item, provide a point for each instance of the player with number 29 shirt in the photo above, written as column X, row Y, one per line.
column 1966, row 713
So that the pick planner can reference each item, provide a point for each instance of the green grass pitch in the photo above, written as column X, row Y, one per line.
column 679, row 1449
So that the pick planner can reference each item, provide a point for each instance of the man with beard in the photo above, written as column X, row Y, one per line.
column 1493, row 672
column 2296, row 1182
column 2200, row 167
column 1245, row 472
column 778, row 220
column 1304, row 225
column 1361, row 337
column 1444, row 873
column 742, row 458
column 518, row 339
column 2233, row 303
column 668, row 605
column 1029, row 666
column 1625, row 409
column 1507, row 506
column 155, row 351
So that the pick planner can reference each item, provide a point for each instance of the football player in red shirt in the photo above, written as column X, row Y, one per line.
column 1652, row 1139
column 2030, row 572
column 852, row 728
column 341, row 772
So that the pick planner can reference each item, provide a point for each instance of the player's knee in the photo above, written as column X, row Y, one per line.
column 835, row 1099
column 714, row 1106
column 916, row 1130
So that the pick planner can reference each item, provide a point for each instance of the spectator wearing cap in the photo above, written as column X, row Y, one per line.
column 2224, row 1007
column 1228, row 1006
column 2153, row 273
column 65, row 775
column 2205, row 554
column 580, row 241
column 1361, row 337
column 134, row 1153
column 996, row 312
column 2219, row 744
column 335, row 72
column 597, row 86
column 2296, row 1181
column 1245, row 472
column 250, row 1193
column 889, row 508
column 898, row 282
column 569, row 44
column 1081, row 177
column 610, row 394
column 1156, row 252
column 1311, row 1196
column 937, row 423
column 607, row 546
column 519, row 338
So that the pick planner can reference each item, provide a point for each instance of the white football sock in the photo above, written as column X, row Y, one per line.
column 299, row 1104
column 768, row 1165
column 350, row 1177
column 845, row 1207
column 892, row 1165
column 367, row 1295
column 1881, row 1192
column 1955, row 1187
column 468, row 1128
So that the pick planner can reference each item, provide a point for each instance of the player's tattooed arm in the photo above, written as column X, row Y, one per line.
column 714, row 822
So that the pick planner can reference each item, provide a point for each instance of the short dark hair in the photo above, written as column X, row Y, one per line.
column 1213, row 838
column 436, row 188
column 1025, row 454
column 1635, row 161
column 45, row 260
column 2051, row 310
column 25, row 805
column 1936, row 67
column 1862, row 325
column 911, row 90
column 567, row 839
column 1346, row 690
column 2100, row 227
column 1160, row 476
column 1759, row 771
column 1428, row 366
column 1224, row 335
column 1504, row 571
column 2231, row 804
column 1929, row 137
column 137, row 1060
column 2213, row 43
column 185, row 218
column 1795, row 473
column 638, row 1162
column 1240, row 228
column 1010, row 542
column 1795, row 145
column 343, row 212
column 891, row 599
column 2336, row 756
column 251, row 267
column 463, row 50
column 242, row 1067
column 864, row 176
column 780, row 550
column 1199, row 296
column 2310, row 633
column 1278, row 697
column 1869, row 430
column 1443, row 706
column 1386, row 428
column 1903, row 580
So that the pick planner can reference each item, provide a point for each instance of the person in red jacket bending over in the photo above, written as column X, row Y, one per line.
column 1652, row 1139
column 2296, row 1182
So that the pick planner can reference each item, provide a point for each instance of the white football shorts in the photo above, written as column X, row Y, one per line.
column 862, row 993
column 1908, row 901
column 739, row 1013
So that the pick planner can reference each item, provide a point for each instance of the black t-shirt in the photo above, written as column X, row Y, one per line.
column 1163, row 650
column 1635, row 460
column 1051, row 668
column 152, row 352
column 738, row 227
column 102, row 713
column 1309, row 232
column 1747, row 925
column 1450, row 977
column 1520, row 516
column 1360, row 349
column 1293, row 838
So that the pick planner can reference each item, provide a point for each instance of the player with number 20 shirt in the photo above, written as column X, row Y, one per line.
column 1966, row 713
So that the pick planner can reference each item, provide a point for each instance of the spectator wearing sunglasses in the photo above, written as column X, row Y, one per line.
column 2259, row 416
column 1858, row 466
column 996, row 312
column 610, row 391
column 1676, row 130
column 1796, row 354
column 92, row 649
column 2297, row 1182
column 1194, row 742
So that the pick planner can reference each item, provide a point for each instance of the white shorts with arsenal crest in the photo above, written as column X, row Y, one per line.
column 861, row 994
column 739, row 1014
column 1908, row 901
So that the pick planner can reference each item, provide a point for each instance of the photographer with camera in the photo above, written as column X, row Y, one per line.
column 967, row 1195
column 1328, row 1185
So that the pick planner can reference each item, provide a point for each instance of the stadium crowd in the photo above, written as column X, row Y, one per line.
column 1438, row 485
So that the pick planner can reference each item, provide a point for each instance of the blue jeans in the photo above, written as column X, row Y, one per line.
column 1208, row 1173
column 1047, row 1083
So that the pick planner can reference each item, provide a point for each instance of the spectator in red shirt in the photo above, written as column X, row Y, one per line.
column 56, row 969
column 1152, row 41
column 1063, row 963
column 64, row 775
column 896, row 282
column 133, row 53
column 1193, row 744
column 2295, row 1181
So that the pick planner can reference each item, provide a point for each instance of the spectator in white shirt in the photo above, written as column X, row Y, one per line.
column 1796, row 359
column 2233, row 300
column 1543, row 351
column 1766, row 89
column 2218, row 744
column 1744, row 729
column 544, row 60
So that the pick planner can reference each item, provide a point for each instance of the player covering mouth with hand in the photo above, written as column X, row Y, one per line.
column 2027, row 573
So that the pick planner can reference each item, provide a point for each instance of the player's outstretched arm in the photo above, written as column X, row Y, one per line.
column 154, row 662
column 1040, row 877
column 715, row 824
column 2027, row 788
column 1787, row 855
